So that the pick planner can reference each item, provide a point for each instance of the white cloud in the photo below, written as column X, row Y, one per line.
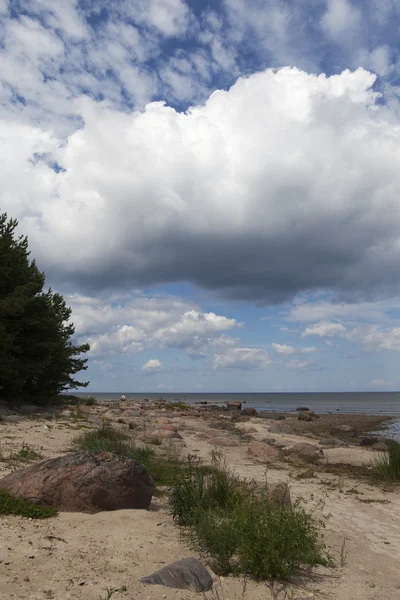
column 340, row 19
column 129, row 325
column 357, row 311
column 248, row 359
column 283, row 349
column 132, row 178
column 376, row 338
column 308, row 350
column 152, row 366
column 324, row 329
column 298, row 364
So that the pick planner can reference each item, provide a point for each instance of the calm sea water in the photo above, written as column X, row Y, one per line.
column 369, row 403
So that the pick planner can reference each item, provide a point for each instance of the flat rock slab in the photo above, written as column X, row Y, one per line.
column 184, row 574
column 83, row 482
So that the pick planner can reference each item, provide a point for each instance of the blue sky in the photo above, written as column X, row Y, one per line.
column 214, row 187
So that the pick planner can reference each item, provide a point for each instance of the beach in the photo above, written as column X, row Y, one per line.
column 79, row 556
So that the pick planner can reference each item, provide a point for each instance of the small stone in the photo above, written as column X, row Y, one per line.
column 49, row 594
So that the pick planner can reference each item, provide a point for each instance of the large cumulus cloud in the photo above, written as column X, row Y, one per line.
column 285, row 183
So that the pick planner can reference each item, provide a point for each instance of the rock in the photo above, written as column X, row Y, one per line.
column 249, row 430
column 248, row 438
column 83, row 482
column 202, row 436
column 345, row 429
column 234, row 405
column 163, row 421
column 305, row 416
column 369, row 441
column 223, row 442
column 269, row 417
column 132, row 413
column 249, row 412
column 29, row 409
column 86, row 410
column 169, row 427
column 306, row 452
column 332, row 443
column 279, row 493
column 302, row 409
column 261, row 450
column 168, row 434
column 270, row 441
column 380, row 447
column 276, row 429
column 184, row 574
column 13, row 419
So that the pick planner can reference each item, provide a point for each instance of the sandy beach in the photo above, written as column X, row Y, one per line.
column 79, row 556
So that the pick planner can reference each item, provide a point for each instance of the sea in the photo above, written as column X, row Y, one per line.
column 368, row 403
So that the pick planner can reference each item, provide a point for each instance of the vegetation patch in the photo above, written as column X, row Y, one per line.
column 387, row 464
column 232, row 524
column 164, row 464
column 10, row 505
column 173, row 405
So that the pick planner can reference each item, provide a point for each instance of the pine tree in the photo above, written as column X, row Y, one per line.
column 37, row 357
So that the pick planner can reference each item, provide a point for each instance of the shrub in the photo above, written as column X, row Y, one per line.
column 9, row 505
column 174, row 405
column 231, row 522
column 91, row 401
column 387, row 464
column 26, row 454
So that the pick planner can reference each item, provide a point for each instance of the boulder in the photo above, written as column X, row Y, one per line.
column 83, row 482
column 369, row 441
column 306, row 452
column 302, row 409
column 184, row 574
column 345, row 430
column 276, row 429
column 13, row 419
column 234, row 405
column 279, row 493
column 332, row 443
column 380, row 447
column 261, row 450
column 305, row 416
column 249, row 412
column 223, row 442
column 29, row 409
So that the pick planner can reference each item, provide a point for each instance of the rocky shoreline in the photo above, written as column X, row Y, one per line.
column 322, row 458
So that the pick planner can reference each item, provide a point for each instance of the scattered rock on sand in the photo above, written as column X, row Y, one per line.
column 262, row 450
column 332, row 443
column 83, row 482
column 184, row 574
column 306, row 452
column 249, row 412
column 302, row 409
column 13, row 419
column 279, row 493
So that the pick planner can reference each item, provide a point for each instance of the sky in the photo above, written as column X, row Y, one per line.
column 214, row 187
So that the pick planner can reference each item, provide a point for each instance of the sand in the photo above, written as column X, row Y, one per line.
column 78, row 556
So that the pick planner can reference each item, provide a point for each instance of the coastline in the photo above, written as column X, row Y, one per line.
column 115, row 549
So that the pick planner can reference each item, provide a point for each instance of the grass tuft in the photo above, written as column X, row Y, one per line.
column 387, row 464
column 10, row 505
column 174, row 405
column 90, row 401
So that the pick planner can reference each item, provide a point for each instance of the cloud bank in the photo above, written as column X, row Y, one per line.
column 287, row 182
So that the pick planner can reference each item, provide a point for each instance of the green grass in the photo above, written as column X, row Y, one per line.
column 174, row 405
column 90, row 401
column 163, row 465
column 231, row 523
column 9, row 505
column 26, row 454
column 387, row 464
